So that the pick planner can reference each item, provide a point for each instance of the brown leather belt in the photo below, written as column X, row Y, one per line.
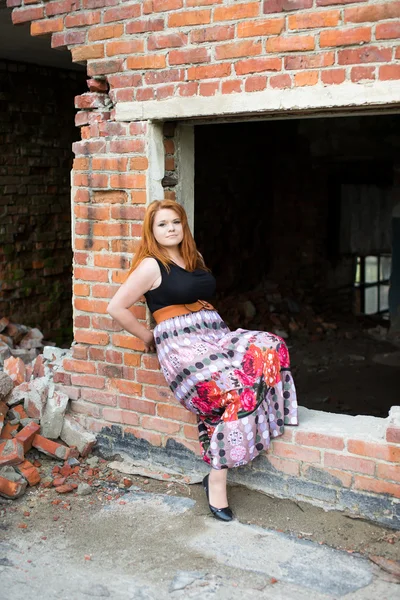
column 178, row 310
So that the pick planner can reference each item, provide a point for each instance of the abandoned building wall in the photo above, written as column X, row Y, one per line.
column 161, row 51
column 37, row 132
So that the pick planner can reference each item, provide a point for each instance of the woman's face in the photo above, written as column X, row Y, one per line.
column 167, row 228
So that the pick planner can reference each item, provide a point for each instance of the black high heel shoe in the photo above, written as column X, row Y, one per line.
column 223, row 514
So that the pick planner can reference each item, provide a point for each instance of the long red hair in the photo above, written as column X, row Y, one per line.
column 149, row 247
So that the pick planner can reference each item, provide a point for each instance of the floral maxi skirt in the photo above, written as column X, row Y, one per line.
column 238, row 383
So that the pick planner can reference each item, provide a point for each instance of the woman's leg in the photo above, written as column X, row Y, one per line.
column 217, row 488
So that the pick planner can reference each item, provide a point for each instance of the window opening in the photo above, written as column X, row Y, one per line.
column 372, row 283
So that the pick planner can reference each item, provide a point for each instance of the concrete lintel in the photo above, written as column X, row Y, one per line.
column 378, row 94
column 363, row 427
column 184, row 139
column 156, row 155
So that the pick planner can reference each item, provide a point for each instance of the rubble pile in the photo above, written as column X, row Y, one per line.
column 33, row 418
column 19, row 341
column 271, row 308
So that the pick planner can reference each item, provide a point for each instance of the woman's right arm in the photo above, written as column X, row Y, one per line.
column 138, row 283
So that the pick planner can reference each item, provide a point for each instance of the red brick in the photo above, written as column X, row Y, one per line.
column 209, row 71
column 345, row 478
column 219, row 33
column 82, row 196
column 300, row 62
column 169, row 411
column 255, row 84
column 143, row 25
column 104, row 291
column 375, row 12
column 293, row 43
column 113, row 261
column 231, row 86
column 121, row 13
column 3, row 412
column 151, row 61
column 391, row 472
column 189, row 18
column 12, row 489
column 108, row 399
column 328, row 18
column 238, row 11
column 165, row 5
column 191, row 432
column 349, row 463
column 368, row 54
column 150, row 377
column 110, row 196
column 11, row 452
column 387, row 31
column 105, row 323
column 120, row 416
column 97, row 306
column 105, row 32
column 67, row 487
column 386, row 452
column 392, row 432
column 158, row 41
column 137, row 405
column 332, row 2
column 319, row 440
column 122, row 81
column 93, row 213
column 132, row 359
column 159, row 394
column 258, row 65
column 8, row 431
column 79, row 366
column 27, row 434
column 88, row 381
column 153, row 438
column 79, row 352
column 29, row 471
column 126, row 387
column 289, row 467
column 291, row 451
column 90, row 274
column 81, row 53
column 333, row 76
column 362, row 74
column 46, row 26
column 68, row 38
column 273, row 6
column 22, row 15
column 136, row 182
column 377, row 486
column 50, row 447
column 128, row 212
column 238, row 49
column 80, row 20
column 260, row 27
column 98, row 338
column 194, row 55
column 347, row 37
column 280, row 81
column 160, row 425
column 124, row 47
column 104, row 67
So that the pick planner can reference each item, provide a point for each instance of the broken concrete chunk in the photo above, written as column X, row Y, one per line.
column 12, row 484
column 53, row 416
column 3, row 412
column 74, row 434
column 16, row 331
column 50, row 448
column 84, row 489
column 53, row 353
column 4, row 352
column 26, row 356
column 35, row 401
column 6, row 385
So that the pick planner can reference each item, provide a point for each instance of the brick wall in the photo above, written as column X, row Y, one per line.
column 156, row 50
column 36, row 159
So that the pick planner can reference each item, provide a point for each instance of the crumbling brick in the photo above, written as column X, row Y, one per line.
column 11, row 452
column 35, row 400
column 29, row 471
column 9, row 431
column 3, row 412
column 15, row 368
column 12, row 484
column 27, row 434
column 50, row 448
column 74, row 434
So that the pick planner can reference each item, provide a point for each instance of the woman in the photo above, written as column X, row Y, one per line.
column 238, row 383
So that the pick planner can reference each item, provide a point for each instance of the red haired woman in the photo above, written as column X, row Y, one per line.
column 238, row 383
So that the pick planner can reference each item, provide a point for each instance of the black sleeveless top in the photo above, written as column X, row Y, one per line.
column 180, row 287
